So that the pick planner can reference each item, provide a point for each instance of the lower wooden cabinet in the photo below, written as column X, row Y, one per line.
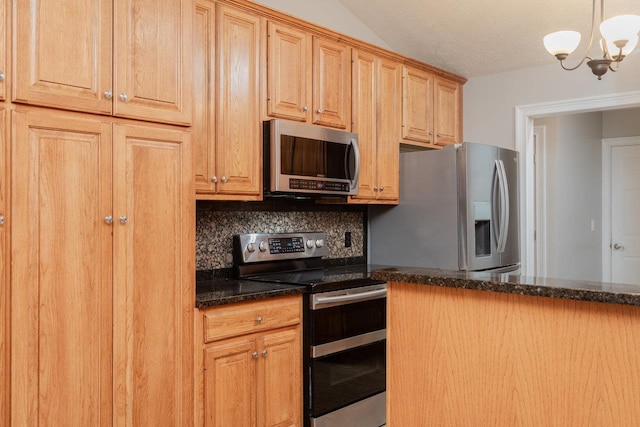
column 4, row 271
column 254, row 378
column 101, row 279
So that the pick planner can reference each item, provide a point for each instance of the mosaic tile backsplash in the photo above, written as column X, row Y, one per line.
column 214, row 231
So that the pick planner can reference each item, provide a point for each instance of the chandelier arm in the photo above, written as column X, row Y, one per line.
column 593, row 25
column 577, row 66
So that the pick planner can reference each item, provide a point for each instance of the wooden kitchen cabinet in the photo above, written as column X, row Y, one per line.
column 376, row 119
column 129, row 58
column 4, row 39
column 308, row 77
column 431, row 109
column 101, row 286
column 289, row 72
column 5, row 261
column 252, row 372
column 227, row 126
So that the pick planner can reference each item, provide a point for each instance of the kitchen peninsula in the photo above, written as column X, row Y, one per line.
column 477, row 349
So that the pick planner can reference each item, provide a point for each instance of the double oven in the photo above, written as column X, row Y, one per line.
column 344, row 325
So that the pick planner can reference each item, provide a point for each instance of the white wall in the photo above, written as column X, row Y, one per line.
column 621, row 123
column 573, row 162
column 328, row 13
column 490, row 101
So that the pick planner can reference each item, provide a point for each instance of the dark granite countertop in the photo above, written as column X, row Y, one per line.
column 613, row 293
column 223, row 291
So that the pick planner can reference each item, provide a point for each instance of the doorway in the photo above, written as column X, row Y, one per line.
column 621, row 210
column 525, row 146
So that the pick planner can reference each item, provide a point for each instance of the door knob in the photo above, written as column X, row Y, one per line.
column 618, row 246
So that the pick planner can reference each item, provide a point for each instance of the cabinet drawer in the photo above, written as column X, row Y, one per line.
column 256, row 316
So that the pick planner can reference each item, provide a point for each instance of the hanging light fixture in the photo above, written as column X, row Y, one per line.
column 619, row 38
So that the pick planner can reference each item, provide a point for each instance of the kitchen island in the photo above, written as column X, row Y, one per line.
column 473, row 349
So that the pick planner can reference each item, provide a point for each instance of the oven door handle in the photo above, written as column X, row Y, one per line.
column 349, row 298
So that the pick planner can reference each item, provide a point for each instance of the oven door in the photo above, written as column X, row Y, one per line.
column 348, row 350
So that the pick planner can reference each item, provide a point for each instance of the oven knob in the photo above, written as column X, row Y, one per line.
column 319, row 243
column 310, row 244
column 251, row 247
column 262, row 246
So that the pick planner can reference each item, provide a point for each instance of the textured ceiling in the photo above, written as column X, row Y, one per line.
column 479, row 37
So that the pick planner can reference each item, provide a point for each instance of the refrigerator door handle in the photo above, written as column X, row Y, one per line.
column 495, row 214
column 504, row 206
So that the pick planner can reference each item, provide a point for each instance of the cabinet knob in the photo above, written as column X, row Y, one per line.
column 439, row 135
column 381, row 188
column 223, row 179
column 305, row 108
column 319, row 111
column 1, row 219
column 430, row 133
column 375, row 188
column 2, row 76
column 123, row 97
column 108, row 219
column 264, row 353
column 123, row 219
column 254, row 354
column 259, row 320
column 618, row 246
column 108, row 94
column 214, row 179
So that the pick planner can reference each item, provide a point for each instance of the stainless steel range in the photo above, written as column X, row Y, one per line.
column 344, row 327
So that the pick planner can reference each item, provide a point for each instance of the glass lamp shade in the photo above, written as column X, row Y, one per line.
column 619, row 28
column 614, row 50
column 562, row 42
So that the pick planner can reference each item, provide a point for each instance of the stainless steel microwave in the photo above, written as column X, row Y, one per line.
column 305, row 159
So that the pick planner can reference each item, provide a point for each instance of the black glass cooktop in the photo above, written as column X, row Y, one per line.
column 325, row 279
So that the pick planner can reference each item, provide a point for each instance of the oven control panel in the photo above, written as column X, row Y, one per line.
column 258, row 247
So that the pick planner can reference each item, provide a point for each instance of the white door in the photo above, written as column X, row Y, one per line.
column 625, row 214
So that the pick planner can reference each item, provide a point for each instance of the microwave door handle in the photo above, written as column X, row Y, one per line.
column 356, row 152
column 504, row 228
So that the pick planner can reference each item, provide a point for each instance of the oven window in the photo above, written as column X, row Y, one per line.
column 314, row 158
column 349, row 376
column 344, row 321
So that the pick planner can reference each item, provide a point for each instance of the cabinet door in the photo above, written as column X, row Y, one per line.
column 331, row 83
column 204, row 98
column 61, row 276
column 153, row 275
column 288, row 72
column 417, row 105
column 4, row 280
column 447, row 112
column 389, row 88
column 230, row 384
column 238, row 125
column 280, row 381
column 3, row 52
column 62, row 56
column 364, row 122
column 153, row 59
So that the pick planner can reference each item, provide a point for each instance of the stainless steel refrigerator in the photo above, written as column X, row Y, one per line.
column 458, row 211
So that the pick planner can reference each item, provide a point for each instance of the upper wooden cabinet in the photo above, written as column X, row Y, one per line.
column 227, row 125
column 308, row 77
column 129, row 58
column 3, row 53
column 431, row 109
column 376, row 119
column 288, row 72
